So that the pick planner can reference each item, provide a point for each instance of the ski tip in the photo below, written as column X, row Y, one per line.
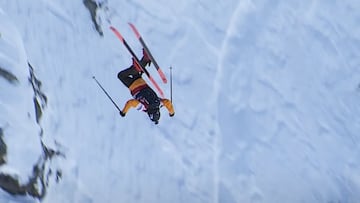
column 117, row 33
column 135, row 30
column 112, row 28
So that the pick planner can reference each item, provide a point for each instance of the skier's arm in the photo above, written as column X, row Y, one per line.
column 128, row 105
column 167, row 103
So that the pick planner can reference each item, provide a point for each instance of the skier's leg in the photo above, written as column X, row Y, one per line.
column 128, row 76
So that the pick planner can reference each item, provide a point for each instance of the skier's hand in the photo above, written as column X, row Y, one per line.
column 171, row 114
column 122, row 114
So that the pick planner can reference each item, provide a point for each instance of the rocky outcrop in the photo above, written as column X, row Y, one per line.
column 41, row 171
column 93, row 8
column 8, row 76
column 3, row 148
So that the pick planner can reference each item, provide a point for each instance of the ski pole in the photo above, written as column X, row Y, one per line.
column 106, row 93
column 171, row 84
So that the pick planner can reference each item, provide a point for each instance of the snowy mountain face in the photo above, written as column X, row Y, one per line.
column 24, row 158
column 266, row 95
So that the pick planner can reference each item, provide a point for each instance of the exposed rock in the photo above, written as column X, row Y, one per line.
column 40, row 99
column 39, row 180
column 92, row 7
column 8, row 76
column 3, row 148
column 39, row 176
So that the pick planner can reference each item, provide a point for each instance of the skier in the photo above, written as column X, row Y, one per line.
column 142, row 92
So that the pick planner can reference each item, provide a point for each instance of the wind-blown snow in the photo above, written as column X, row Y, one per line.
column 265, row 92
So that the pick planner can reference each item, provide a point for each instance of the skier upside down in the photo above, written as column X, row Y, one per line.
column 142, row 92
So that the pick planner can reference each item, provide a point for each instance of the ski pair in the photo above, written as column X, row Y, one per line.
column 136, row 60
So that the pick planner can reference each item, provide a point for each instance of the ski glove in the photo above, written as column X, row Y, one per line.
column 122, row 114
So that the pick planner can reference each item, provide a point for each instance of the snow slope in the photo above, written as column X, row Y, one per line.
column 17, row 119
column 294, row 129
column 265, row 93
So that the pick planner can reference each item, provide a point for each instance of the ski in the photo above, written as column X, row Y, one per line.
column 137, row 34
column 136, row 60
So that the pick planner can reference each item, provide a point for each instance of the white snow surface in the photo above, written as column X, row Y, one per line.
column 17, row 115
column 266, row 95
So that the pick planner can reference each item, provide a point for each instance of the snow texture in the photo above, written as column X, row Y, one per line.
column 266, row 95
